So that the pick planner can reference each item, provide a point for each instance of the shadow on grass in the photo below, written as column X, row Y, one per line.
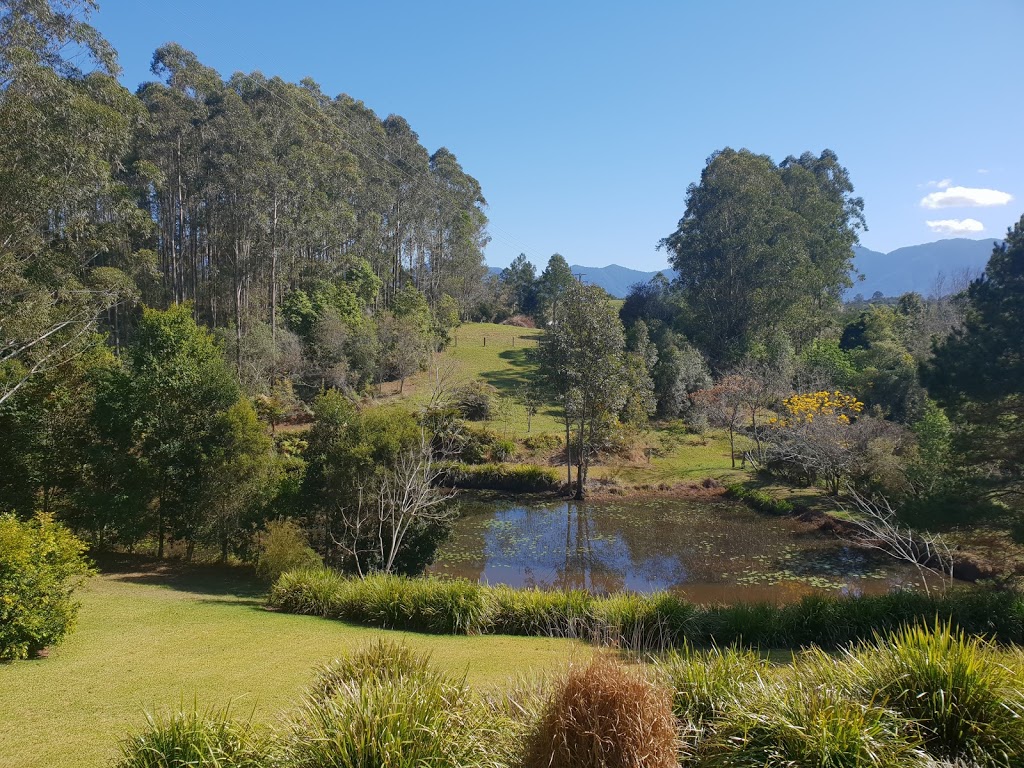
column 197, row 578
column 519, row 371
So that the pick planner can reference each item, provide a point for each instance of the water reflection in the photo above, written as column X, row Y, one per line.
column 708, row 551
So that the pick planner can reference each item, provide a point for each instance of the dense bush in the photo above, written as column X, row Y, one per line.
column 41, row 565
column 520, row 478
column 545, row 442
column 604, row 715
column 759, row 500
column 284, row 548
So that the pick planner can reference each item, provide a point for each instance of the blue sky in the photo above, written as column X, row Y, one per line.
column 585, row 122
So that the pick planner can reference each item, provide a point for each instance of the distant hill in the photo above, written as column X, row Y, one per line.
column 615, row 279
column 918, row 267
column 914, row 268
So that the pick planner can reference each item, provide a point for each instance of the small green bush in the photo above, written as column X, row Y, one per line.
column 284, row 547
column 41, row 565
column 541, row 612
column 475, row 400
column 519, row 478
column 194, row 738
column 759, row 500
column 706, row 684
column 543, row 443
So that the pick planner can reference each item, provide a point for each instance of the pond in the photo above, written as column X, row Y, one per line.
column 706, row 550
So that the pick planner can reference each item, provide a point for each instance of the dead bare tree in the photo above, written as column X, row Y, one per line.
column 878, row 527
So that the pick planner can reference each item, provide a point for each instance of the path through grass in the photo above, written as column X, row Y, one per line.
column 156, row 639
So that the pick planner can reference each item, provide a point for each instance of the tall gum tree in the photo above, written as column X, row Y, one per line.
column 762, row 248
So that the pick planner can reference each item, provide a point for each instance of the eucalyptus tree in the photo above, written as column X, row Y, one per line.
column 582, row 359
column 65, row 202
column 763, row 247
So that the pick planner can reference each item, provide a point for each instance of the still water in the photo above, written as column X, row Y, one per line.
column 710, row 551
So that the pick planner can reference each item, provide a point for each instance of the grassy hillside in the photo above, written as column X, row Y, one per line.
column 156, row 639
column 499, row 355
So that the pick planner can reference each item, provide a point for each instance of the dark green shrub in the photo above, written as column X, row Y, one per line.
column 503, row 450
column 188, row 739
column 284, row 547
column 605, row 715
column 41, row 565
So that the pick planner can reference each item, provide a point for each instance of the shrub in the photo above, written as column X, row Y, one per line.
column 759, row 500
column 310, row 592
column 194, row 738
column 284, row 548
column 474, row 400
column 518, row 478
column 385, row 707
column 644, row 622
column 503, row 450
column 604, row 715
column 543, row 443
column 968, row 702
column 41, row 565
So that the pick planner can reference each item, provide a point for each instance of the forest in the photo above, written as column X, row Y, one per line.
column 246, row 322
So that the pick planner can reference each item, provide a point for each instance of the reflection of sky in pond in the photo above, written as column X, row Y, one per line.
column 710, row 551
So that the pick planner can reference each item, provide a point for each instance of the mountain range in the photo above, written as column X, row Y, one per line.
column 925, row 268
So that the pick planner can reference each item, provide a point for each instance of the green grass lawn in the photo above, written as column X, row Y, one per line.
column 150, row 640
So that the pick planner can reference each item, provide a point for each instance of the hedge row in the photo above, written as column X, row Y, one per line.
column 661, row 620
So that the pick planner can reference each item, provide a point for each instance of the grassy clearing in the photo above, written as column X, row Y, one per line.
column 157, row 641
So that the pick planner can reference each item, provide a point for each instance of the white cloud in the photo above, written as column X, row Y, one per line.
column 965, row 197
column 955, row 226
column 983, row 170
column 937, row 184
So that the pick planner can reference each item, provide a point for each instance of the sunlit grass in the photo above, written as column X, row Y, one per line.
column 142, row 645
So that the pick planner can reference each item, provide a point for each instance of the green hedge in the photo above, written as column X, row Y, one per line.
column 759, row 500
column 522, row 478
column 661, row 620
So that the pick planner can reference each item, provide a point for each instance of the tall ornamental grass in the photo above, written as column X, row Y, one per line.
column 967, row 697
column 187, row 739
column 633, row 621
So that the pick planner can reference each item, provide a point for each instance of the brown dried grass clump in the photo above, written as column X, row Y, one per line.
column 604, row 715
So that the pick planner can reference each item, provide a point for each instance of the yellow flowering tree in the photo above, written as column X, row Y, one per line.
column 813, row 437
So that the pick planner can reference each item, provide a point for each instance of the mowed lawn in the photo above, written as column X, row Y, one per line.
column 158, row 639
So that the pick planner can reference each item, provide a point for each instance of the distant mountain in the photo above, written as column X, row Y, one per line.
column 914, row 268
column 615, row 279
column 918, row 267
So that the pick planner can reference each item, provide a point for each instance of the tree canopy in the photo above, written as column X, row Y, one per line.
column 762, row 248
